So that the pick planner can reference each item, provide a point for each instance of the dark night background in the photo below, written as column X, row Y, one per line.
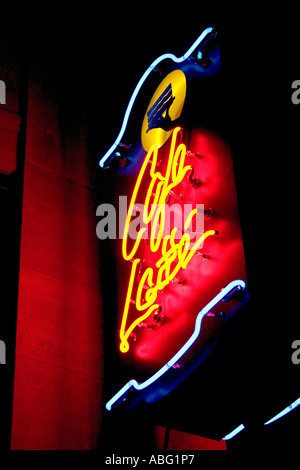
column 95, row 62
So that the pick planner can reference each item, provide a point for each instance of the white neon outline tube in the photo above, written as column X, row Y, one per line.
column 285, row 411
column 275, row 418
column 140, row 83
column 234, row 432
column 133, row 383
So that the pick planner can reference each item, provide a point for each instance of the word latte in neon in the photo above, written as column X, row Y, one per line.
column 175, row 251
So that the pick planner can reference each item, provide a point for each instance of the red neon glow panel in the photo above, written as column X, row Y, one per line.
column 203, row 175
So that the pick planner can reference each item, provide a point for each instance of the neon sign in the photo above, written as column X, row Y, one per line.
column 157, row 251
column 174, row 255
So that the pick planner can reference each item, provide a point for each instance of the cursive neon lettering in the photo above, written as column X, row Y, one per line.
column 175, row 255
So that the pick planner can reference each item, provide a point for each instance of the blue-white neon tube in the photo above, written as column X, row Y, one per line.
column 234, row 432
column 140, row 83
column 285, row 411
column 278, row 416
column 133, row 383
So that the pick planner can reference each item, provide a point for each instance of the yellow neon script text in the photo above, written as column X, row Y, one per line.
column 174, row 255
